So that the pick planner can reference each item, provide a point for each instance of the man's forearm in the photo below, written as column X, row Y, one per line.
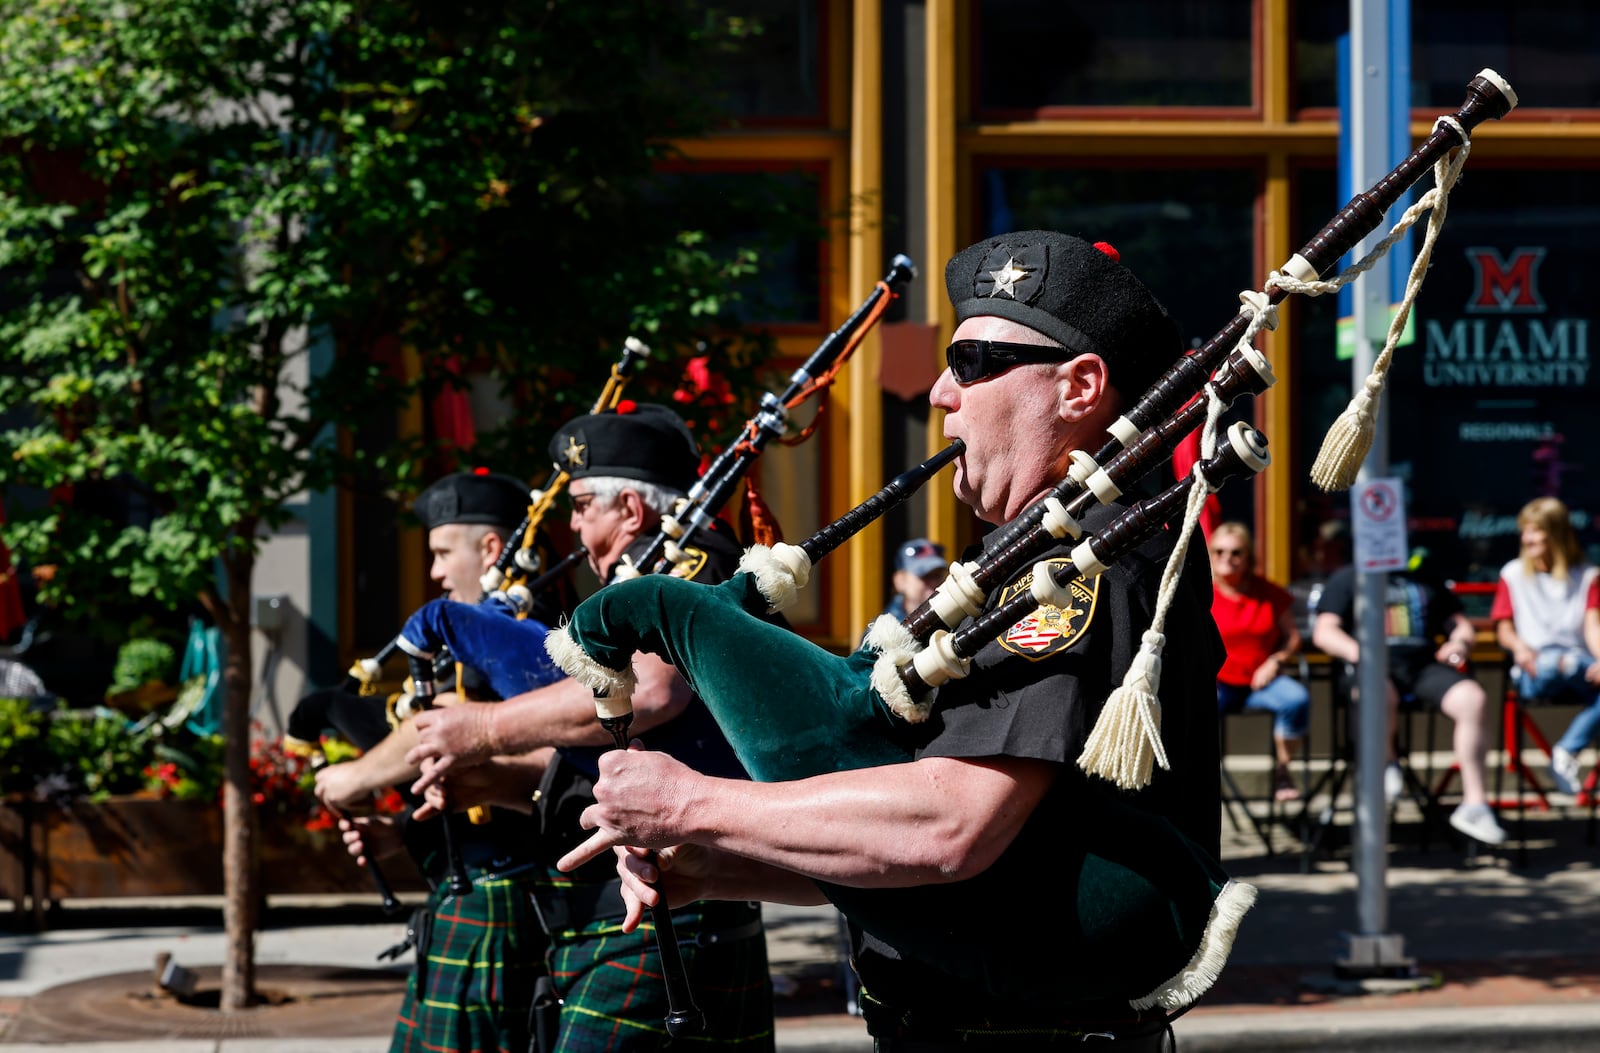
column 737, row 877
column 563, row 713
column 927, row 822
column 384, row 765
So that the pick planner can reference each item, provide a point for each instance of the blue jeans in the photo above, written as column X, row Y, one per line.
column 1285, row 698
column 1559, row 675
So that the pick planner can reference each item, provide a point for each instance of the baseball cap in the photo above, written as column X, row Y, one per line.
column 920, row 556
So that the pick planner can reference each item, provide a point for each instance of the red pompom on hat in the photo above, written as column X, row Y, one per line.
column 627, row 406
column 1109, row 249
column 478, row 496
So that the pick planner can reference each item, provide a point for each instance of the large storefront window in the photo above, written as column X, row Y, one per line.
column 1188, row 233
column 776, row 76
column 778, row 213
column 1545, row 50
column 1037, row 54
column 1491, row 406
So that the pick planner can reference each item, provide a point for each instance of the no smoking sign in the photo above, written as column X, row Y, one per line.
column 1378, row 511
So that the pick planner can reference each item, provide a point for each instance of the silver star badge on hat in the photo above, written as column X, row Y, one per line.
column 574, row 452
column 1007, row 277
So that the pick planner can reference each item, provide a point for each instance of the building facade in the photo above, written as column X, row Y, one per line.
column 1202, row 138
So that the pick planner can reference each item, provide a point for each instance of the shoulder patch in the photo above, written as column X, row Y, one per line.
column 694, row 562
column 1050, row 629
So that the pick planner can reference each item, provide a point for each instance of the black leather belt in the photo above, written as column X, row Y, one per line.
column 578, row 905
column 710, row 937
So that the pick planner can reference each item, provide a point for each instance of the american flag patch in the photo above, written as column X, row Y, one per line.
column 1037, row 630
column 1049, row 629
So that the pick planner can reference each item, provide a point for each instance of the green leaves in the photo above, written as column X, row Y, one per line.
column 196, row 185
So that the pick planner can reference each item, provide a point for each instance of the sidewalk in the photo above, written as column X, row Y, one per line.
column 1509, row 958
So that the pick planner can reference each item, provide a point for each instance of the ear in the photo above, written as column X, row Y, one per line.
column 1084, row 388
column 493, row 544
column 634, row 513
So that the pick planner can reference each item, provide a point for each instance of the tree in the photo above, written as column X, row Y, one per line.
column 194, row 193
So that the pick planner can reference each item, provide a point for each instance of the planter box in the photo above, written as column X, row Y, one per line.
column 143, row 847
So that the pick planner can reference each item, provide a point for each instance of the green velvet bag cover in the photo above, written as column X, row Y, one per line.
column 788, row 707
column 1128, row 912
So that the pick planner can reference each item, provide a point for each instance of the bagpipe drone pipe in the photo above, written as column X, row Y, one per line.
column 1148, row 916
column 506, row 585
column 717, row 483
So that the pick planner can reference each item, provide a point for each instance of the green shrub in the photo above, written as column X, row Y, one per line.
column 141, row 661
column 99, row 751
column 21, row 728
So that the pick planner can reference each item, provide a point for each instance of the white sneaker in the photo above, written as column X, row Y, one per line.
column 1477, row 820
column 1564, row 770
column 1394, row 783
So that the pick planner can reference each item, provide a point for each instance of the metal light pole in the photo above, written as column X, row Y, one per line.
column 1372, row 950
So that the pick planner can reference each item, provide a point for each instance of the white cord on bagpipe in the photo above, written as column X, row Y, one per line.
column 1350, row 437
column 1126, row 740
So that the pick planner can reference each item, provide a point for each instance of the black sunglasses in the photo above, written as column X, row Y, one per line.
column 972, row 360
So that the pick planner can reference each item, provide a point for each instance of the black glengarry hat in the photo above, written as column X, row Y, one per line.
column 1074, row 292
column 637, row 440
column 473, row 497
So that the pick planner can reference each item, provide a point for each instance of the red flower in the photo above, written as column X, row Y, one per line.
column 701, row 386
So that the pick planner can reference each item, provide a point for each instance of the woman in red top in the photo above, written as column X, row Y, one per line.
column 1255, row 619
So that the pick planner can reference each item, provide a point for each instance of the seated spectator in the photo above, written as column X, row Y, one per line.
column 1429, row 640
column 1256, row 620
column 1547, row 616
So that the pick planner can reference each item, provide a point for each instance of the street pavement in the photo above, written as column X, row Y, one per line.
column 1506, row 948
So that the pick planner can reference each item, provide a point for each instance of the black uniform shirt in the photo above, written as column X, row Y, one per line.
column 1035, row 692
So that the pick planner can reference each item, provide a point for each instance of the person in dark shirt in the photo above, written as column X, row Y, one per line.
column 627, row 467
column 1429, row 640
column 479, row 957
column 1055, row 339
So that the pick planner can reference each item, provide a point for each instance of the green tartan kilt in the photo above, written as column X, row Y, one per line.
column 473, row 986
column 614, row 998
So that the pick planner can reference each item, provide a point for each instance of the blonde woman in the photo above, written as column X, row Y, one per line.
column 1256, row 620
column 1547, row 617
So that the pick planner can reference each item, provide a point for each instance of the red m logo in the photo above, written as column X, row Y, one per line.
column 1503, row 285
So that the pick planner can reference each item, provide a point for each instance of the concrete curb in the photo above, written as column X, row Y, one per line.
column 1456, row 1028
column 810, row 1037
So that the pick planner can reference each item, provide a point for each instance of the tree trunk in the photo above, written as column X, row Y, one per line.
column 240, row 869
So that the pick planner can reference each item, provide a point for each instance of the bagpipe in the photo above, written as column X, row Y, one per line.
column 700, row 506
column 1151, row 915
column 359, row 722
column 513, row 656
column 496, row 631
column 506, row 585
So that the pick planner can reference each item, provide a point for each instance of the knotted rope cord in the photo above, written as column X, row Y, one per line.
column 1126, row 740
column 1350, row 437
